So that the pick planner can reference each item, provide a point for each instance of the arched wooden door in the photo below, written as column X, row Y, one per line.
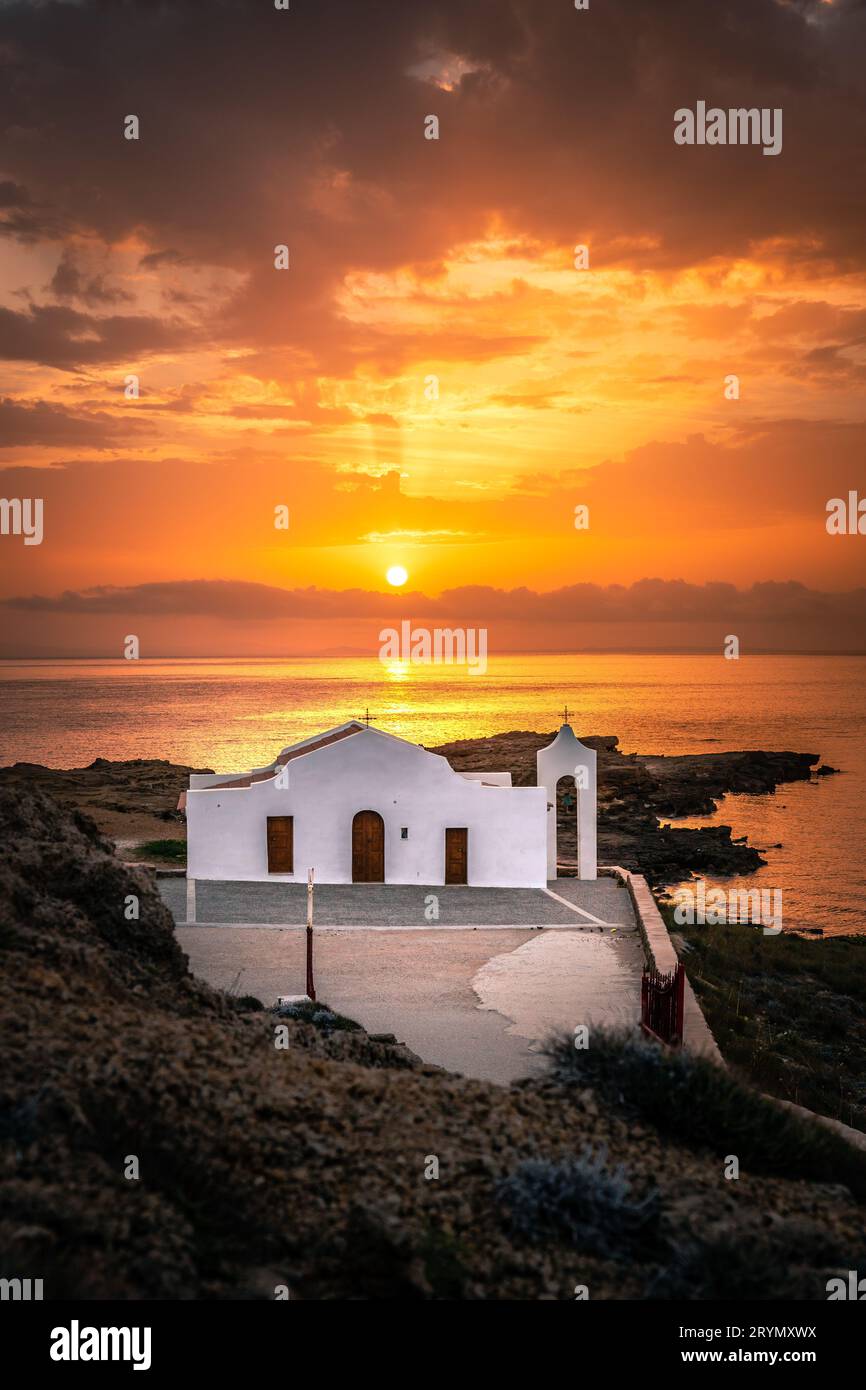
column 368, row 848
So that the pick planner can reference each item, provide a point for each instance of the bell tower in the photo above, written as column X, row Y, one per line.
column 566, row 755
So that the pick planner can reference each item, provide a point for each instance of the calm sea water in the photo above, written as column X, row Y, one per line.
column 231, row 715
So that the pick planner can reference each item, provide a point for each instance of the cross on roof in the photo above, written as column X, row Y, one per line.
column 367, row 716
column 565, row 715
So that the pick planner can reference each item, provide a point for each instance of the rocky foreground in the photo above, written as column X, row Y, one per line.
column 135, row 801
column 341, row 1166
column 132, row 800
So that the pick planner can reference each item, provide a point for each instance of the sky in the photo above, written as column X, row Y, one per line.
column 432, row 382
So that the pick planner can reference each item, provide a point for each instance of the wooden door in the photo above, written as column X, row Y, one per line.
column 368, row 848
column 281, row 856
column 456, row 854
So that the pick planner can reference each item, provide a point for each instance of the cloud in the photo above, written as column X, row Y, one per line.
column 40, row 423
column 413, row 257
column 558, row 123
column 70, row 282
column 59, row 336
column 647, row 601
column 12, row 195
column 154, row 259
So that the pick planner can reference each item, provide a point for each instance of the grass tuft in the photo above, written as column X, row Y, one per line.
column 787, row 1011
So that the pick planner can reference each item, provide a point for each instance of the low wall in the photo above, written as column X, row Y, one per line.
column 660, row 952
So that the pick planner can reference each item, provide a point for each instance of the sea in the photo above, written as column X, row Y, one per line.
column 234, row 714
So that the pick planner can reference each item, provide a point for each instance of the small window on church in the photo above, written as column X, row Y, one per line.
column 404, row 832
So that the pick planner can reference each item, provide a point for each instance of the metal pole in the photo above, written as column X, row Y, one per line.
column 311, row 988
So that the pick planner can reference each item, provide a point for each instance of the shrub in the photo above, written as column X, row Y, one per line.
column 702, row 1105
column 582, row 1201
column 321, row 1016
column 171, row 851
column 787, row 1258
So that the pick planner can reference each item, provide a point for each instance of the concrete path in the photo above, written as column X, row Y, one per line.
column 474, row 1001
column 479, row 991
column 559, row 981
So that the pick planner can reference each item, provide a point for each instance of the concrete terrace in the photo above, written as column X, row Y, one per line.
column 571, row 903
column 479, row 991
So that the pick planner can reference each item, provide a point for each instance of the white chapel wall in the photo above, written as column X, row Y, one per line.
column 227, row 836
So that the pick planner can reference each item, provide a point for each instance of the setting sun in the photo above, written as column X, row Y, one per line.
column 397, row 576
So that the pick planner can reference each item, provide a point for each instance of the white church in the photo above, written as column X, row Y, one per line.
column 357, row 805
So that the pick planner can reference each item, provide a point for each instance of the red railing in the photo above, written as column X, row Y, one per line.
column 661, row 1005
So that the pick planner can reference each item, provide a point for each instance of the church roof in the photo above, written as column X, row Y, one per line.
column 296, row 751
column 312, row 745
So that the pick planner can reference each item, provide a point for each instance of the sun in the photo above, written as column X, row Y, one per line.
column 397, row 576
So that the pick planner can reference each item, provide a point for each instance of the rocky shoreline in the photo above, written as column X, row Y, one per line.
column 135, row 801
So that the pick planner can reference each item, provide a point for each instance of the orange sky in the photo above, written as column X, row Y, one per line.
column 411, row 259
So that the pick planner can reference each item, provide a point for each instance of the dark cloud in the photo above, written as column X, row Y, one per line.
column 60, row 336
column 70, row 282
column 647, row 601
column 12, row 195
column 154, row 259
column 42, row 423
column 260, row 126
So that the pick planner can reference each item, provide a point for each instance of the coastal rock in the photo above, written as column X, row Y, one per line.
column 693, row 784
column 135, row 799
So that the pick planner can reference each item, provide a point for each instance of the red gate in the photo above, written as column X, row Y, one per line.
column 661, row 1005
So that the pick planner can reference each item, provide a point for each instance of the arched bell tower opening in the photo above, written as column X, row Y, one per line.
column 567, row 837
column 567, row 770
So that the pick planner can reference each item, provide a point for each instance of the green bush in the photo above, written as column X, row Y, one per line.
column 170, row 851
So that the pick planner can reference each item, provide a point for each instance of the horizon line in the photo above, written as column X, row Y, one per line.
column 372, row 656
